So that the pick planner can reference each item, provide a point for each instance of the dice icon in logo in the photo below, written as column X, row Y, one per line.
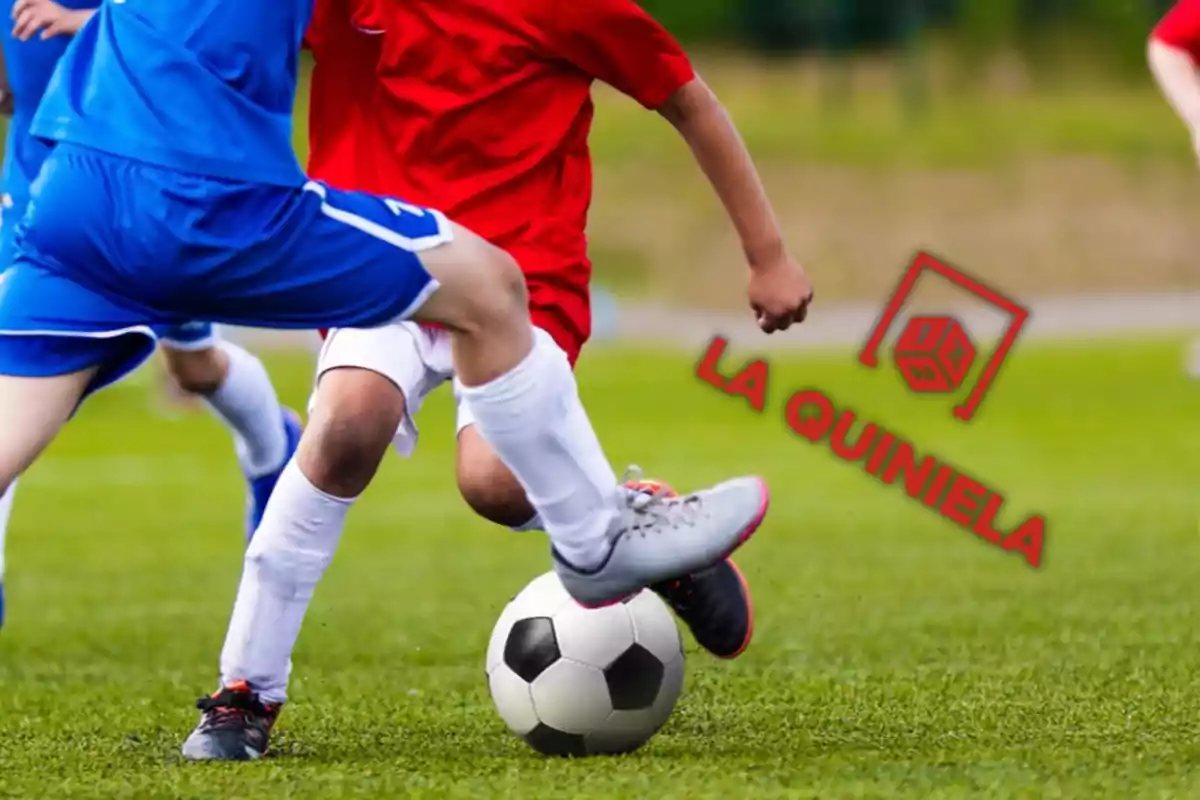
column 938, row 358
column 934, row 354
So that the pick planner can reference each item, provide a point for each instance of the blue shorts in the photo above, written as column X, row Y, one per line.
column 188, row 336
column 113, row 254
column 11, row 211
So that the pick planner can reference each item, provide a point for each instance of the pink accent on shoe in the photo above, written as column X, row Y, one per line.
column 749, row 613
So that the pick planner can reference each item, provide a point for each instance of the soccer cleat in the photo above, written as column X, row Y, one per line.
column 714, row 603
column 656, row 539
column 260, row 488
column 234, row 726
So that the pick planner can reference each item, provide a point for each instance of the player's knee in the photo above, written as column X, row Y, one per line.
column 497, row 296
column 198, row 372
column 355, row 420
column 490, row 488
column 502, row 296
column 509, row 282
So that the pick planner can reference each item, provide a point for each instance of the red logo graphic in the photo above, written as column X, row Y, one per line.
column 885, row 454
column 934, row 353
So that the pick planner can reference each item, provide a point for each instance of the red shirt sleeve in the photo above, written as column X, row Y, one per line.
column 1181, row 27
column 617, row 42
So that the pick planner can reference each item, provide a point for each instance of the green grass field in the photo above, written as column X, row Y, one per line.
column 896, row 656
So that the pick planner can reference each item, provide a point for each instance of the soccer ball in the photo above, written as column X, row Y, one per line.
column 572, row 681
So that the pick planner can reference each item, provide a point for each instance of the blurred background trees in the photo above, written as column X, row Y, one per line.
column 1112, row 29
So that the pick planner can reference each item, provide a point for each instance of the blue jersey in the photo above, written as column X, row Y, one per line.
column 204, row 87
column 173, row 194
column 30, row 65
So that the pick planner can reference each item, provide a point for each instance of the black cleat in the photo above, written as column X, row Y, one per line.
column 234, row 726
column 714, row 603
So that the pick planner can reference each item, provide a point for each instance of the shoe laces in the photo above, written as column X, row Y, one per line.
column 659, row 508
column 230, row 708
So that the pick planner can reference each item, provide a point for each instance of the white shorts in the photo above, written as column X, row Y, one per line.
column 414, row 358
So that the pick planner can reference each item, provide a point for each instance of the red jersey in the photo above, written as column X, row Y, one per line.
column 1181, row 28
column 482, row 109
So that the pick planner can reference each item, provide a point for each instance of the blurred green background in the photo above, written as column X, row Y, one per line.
column 848, row 25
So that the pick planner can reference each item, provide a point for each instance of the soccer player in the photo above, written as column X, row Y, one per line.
column 481, row 108
column 233, row 383
column 173, row 194
column 1174, row 55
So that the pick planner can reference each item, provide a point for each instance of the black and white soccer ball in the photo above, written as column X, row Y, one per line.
column 572, row 681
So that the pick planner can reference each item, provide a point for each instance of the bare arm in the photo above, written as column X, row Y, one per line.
column 1179, row 80
column 617, row 42
column 1173, row 52
column 779, row 290
column 719, row 151
column 46, row 19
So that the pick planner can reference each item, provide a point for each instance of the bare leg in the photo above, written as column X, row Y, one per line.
column 483, row 301
column 356, row 416
column 489, row 487
column 34, row 411
column 199, row 372
column 519, row 388
column 235, row 386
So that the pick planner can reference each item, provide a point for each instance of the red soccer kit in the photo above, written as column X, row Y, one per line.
column 481, row 109
column 1181, row 28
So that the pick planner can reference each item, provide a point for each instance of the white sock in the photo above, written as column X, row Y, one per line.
column 247, row 403
column 6, row 504
column 290, row 552
column 533, row 419
column 535, row 522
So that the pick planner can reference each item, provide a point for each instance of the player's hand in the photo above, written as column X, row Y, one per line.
column 44, row 17
column 779, row 293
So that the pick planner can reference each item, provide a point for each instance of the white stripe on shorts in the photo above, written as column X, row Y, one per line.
column 444, row 232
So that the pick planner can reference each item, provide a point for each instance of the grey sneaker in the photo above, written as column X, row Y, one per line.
column 235, row 725
column 658, row 538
